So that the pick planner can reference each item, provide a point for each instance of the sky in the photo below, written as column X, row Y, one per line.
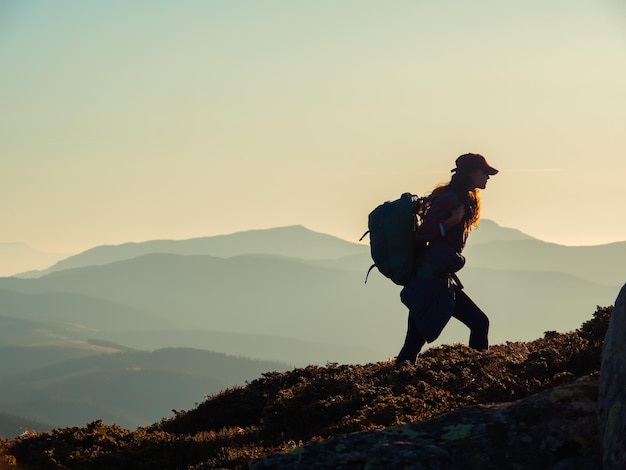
column 136, row 120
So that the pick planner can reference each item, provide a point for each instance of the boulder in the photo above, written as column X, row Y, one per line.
column 612, row 389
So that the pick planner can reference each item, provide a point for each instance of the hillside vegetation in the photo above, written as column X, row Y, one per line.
column 281, row 411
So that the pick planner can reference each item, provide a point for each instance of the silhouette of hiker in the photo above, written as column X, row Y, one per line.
column 434, row 294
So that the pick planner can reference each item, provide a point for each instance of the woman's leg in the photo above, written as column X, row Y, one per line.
column 468, row 312
column 413, row 344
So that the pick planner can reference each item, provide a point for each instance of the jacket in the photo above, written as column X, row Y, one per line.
column 442, row 254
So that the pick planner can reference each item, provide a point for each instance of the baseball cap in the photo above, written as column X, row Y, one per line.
column 473, row 161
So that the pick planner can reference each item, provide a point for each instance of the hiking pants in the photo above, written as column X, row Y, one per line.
column 430, row 302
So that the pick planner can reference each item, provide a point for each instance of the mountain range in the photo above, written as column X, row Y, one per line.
column 276, row 298
column 296, row 242
column 309, row 287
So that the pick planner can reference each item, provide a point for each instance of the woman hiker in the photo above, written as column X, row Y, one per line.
column 434, row 294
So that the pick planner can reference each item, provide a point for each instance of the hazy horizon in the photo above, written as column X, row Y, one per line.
column 23, row 257
column 353, row 239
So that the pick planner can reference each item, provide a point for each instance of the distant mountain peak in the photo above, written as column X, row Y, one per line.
column 489, row 231
column 293, row 241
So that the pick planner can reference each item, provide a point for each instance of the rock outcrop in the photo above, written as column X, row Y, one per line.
column 554, row 429
column 612, row 391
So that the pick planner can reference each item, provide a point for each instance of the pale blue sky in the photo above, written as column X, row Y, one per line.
column 134, row 120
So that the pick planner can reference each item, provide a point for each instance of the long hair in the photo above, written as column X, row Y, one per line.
column 459, row 183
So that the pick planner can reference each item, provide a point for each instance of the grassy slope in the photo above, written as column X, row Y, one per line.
column 281, row 410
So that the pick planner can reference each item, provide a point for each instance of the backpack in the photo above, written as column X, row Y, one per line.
column 392, row 227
